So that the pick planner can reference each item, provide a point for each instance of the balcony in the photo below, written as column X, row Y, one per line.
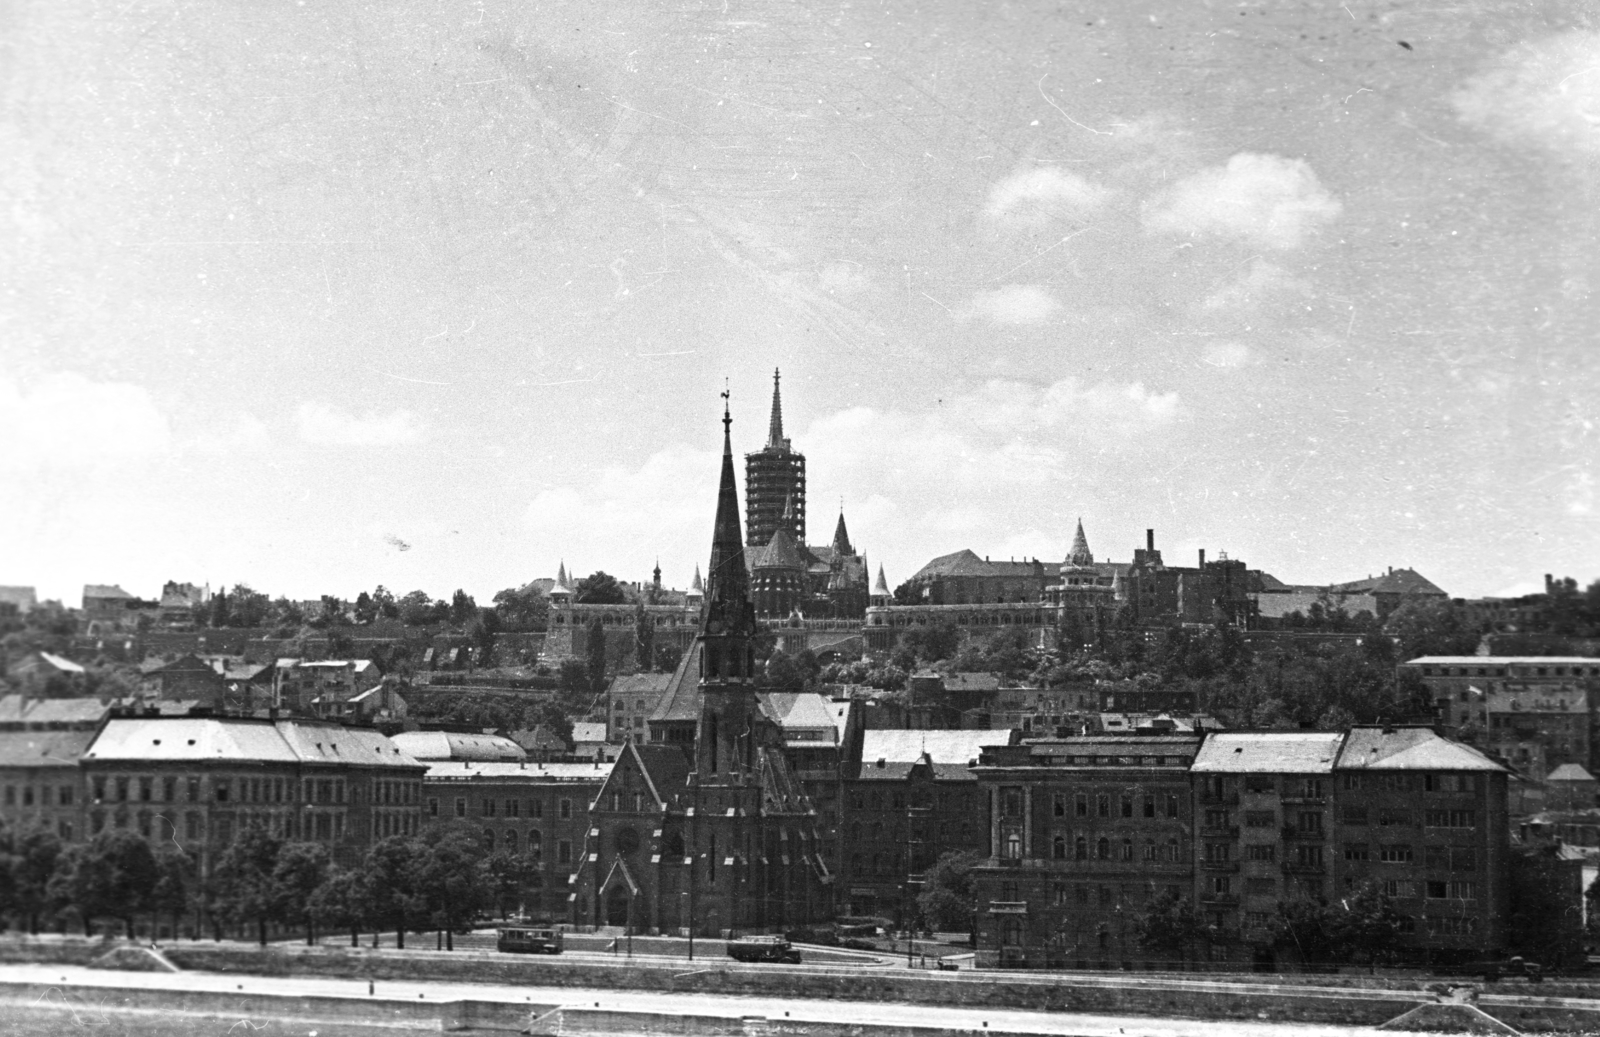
column 1302, row 868
column 1219, row 831
column 1220, row 899
column 1219, row 865
column 1008, row 907
column 1304, row 800
column 1315, row 835
column 1219, row 799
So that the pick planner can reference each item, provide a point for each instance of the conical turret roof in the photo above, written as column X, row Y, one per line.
column 781, row 552
column 880, row 588
column 698, row 586
column 1080, row 555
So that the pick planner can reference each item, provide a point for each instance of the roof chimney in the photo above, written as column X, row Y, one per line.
column 1202, row 558
column 1149, row 540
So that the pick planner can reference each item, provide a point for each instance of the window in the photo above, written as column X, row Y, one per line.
column 1058, row 848
column 1450, row 818
column 1352, row 815
column 535, row 842
column 1060, row 805
column 169, row 789
column 1308, row 856
column 1443, row 783
column 122, row 790
column 1127, row 805
column 461, row 806
column 64, row 831
column 488, row 806
column 65, row 796
column 1217, row 819
column 1102, row 849
column 1172, row 805
column 1127, row 849
column 1103, row 805
column 1014, row 845
column 535, row 808
column 1150, row 849
column 99, row 789
column 565, row 809
column 1218, row 853
column 1398, row 888
column 1221, row 885
column 1260, row 819
column 564, row 851
column 1149, row 806
column 1463, row 890
column 220, row 789
column 1080, row 804
column 1010, row 802
column 513, row 807
column 1356, row 852
column 1391, row 818
column 488, row 840
column 1310, row 822
column 433, row 806
column 1257, row 919
column 194, row 790
column 1260, row 852
column 1395, row 853
column 1260, row 783
column 1080, row 848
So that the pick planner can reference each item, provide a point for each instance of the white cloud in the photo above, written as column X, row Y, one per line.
column 1260, row 279
column 1226, row 354
column 844, row 278
column 1033, row 198
column 1263, row 200
column 1013, row 304
column 320, row 423
column 67, row 420
column 1544, row 92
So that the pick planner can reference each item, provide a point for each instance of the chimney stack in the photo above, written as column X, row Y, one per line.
column 1549, row 582
column 1149, row 540
column 1202, row 558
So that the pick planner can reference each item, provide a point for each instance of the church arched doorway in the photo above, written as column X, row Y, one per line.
column 617, row 906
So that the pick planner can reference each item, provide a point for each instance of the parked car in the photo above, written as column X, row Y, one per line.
column 763, row 949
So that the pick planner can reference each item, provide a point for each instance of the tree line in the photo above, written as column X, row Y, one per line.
column 260, row 884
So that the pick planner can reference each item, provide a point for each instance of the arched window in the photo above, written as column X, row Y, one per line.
column 511, row 842
column 1058, row 848
column 1081, row 848
column 1014, row 845
column 1149, row 849
column 1172, row 849
column 535, row 842
column 1102, row 849
column 1127, row 849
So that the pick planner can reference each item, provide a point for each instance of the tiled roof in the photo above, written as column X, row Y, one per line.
column 972, row 682
column 24, row 598
column 43, row 748
column 640, row 684
column 588, row 731
column 1409, row 748
column 1569, row 772
column 15, row 709
column 797, row 710
column 1276, row 606
column 966, row 563
column 1269, row 752
column 356, row 746
column 951, row 752
column 190, row 738
column 61, row 663
column 105, row 590
column 1269, row 583
column 779, row 553
column 457, row 745
column 1135, row 745
column 681, row 700
column 532, row 771
column 667, row 765
column 1398, row 581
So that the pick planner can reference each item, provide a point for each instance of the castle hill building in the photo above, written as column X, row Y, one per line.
column 41, row 787
column 1069, row 598
column 1090, row 831
column 909, row 797
column 707, row 828
column 1533, row 711
column 201, row 780
column 538, row 810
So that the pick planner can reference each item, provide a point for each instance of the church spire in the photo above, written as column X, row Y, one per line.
column 1080, row 554
column 728, row 584
column 841, row 536
column 775, row 438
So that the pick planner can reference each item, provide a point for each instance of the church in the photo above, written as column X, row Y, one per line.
column 706, row 828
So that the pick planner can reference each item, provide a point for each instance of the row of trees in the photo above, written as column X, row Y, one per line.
column 441, row 881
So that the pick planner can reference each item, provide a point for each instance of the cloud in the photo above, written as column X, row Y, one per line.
column 1013, row 304
column 844, row 278
column 1260, row 279
column 1545, row 93
column 67, row 420
column 1034, row 198
column 246, row 435
column 322, row 424
column 1262, row 200
column 1226, row 354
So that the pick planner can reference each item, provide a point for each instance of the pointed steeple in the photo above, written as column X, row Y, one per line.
column 880, row 588
column 698, row 586
column 561, row 574
column 841, row 536
column 728, row 583
column 1080, row 555
column 656, row 573
column 775, row 438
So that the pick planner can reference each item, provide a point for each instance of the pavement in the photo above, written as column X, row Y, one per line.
column 1048, row 1024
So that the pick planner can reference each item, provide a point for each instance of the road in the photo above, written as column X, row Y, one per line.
column 85, row 981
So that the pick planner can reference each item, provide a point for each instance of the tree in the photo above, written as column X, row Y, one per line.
column 949, row 895
column 599, row 588
column 938, row 640
column 451, row 879
column 1431, row 626
column 668, row 656
column 781, row 673
column 1361, row 924
column 341, row 901
column 383, row 601
column 220, row 615
column 246, row 607
column 245, row 892
column 417, row 609
column 551, row 718
column 462, row 608
column 511, row 878
column 110, row 876
column 34, row 857
column 644, row 637
column 175, row 875
column 298, row 872
column 524, row 608
column 394, row 900
column 1170, row 926
column 366, row 611
column 595, row 654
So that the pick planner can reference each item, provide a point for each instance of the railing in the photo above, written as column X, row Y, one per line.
column 1302, row 868
column 1219, row 898
column 1219, row 831
column 1008, row 907
column 1290, row 832
column 1219, row 865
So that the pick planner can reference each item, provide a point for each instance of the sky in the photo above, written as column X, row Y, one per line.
column 321, row 296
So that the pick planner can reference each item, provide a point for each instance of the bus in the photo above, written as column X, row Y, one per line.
column 524, row 939
column 763, row 949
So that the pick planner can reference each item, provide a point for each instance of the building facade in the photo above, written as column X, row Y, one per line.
column 1537, row 712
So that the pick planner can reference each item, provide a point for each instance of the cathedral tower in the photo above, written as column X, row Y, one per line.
column 775, row 483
